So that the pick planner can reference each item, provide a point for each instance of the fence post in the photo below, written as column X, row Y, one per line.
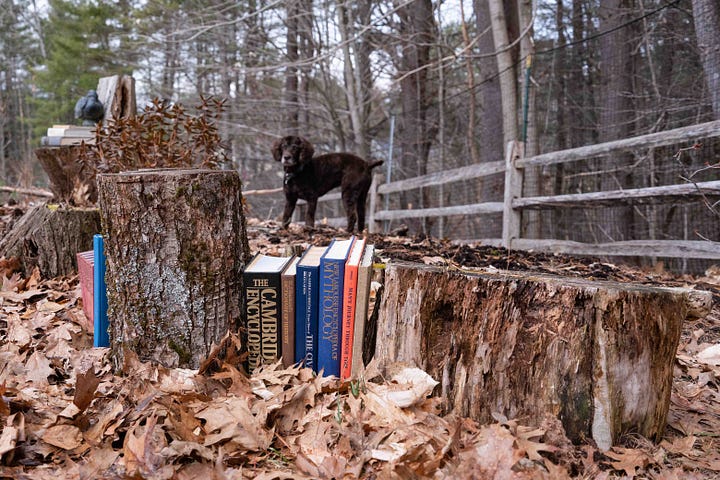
column 374, row 203
column 513, row 190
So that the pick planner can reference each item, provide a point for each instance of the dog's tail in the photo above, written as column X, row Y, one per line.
column 377, row 163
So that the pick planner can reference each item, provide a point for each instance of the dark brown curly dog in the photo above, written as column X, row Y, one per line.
column 309, row 178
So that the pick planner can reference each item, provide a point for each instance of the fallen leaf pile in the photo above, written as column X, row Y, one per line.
column 64, row 414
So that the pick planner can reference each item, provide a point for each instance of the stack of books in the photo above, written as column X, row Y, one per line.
column 310, row 310
column 60, row 135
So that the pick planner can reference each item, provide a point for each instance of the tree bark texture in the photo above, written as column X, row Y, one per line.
column 71, row 182
column 706, row 14
column 49, row 238
column 176, row 245
column 598, row 355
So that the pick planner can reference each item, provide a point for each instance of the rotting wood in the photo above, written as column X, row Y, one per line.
column 50, row 237
column 176, row 246
column 117, row 94
column 596, row 354
column 70, row 180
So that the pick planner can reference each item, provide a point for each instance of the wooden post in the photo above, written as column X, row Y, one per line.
column 598, row 355
column 374, row 202
column 513, row 190
column 176, row 245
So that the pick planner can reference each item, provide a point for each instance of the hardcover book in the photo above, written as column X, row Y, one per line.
column 263, row 306
column 58, row 141
column 86, row 263
column 287, row 285
column 332, row 273
column 71, row 131
column 348, row 306
column 307, row 281
column 361, row 308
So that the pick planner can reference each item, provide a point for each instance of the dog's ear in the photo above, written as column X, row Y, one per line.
column 277, row 150
column 307, row 151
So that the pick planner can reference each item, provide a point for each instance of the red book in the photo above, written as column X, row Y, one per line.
column 348, row 309
column 86, row 263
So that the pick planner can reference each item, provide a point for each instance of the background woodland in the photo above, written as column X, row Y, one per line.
column 426, row 86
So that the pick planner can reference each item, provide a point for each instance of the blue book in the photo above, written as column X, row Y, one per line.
column 100, row 304
column 307, row 281
column 332, row 273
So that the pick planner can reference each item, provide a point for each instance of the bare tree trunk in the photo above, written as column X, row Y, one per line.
column 416, row 133
column 506, row 69
column 291, row 107
column 617, row 111
column 707, row 29
column 470, row 73
column 492, row 146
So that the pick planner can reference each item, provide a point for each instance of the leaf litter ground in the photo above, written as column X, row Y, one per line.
column 65, row 415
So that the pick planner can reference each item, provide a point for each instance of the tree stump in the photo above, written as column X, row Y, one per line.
column 71, row 182
column 176, row 246
column 49, row 237
column 596, row 354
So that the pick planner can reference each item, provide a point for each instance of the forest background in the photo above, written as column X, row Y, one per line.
column 425, row 86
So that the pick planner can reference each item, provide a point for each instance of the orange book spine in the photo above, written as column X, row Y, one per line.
column 348, row 320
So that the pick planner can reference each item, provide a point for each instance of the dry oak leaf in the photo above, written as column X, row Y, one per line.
column 38, row 368
column 141, row 450
column 67, row 437
column 628, row 460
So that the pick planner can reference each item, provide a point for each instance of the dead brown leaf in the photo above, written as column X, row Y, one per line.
column 67, row 437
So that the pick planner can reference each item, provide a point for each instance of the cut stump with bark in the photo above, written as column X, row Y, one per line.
column 71, row 182
column 175, row 245
column 49, row 237
column 596, row 354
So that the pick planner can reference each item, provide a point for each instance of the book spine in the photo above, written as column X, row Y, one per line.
column 331, row 280
column 262, row 313
column 348, row 320
column 306, row 315
column 101, row 337
column 288, row 320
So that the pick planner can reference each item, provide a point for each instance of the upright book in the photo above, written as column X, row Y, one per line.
column 307, row 281
column 287, row 286
column 361, row 308
column 332, row 272
column 348, row 306
column 263, row 306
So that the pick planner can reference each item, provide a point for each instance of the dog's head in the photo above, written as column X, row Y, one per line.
column 292, row 152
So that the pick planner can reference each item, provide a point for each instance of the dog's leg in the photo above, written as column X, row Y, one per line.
column 350, row 210
column 290, row 201
column 310, row 214
column 361, row 211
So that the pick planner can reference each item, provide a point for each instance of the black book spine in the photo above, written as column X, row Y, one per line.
column 262, row 318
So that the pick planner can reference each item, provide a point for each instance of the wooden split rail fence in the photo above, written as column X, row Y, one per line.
column 514, row 203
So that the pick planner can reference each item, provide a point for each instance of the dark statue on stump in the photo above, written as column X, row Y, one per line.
column 89, row 109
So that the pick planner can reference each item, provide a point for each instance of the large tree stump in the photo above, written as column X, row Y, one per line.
column 71, row 182
column 596, row 354
column 176, row 247
column 49, row 237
